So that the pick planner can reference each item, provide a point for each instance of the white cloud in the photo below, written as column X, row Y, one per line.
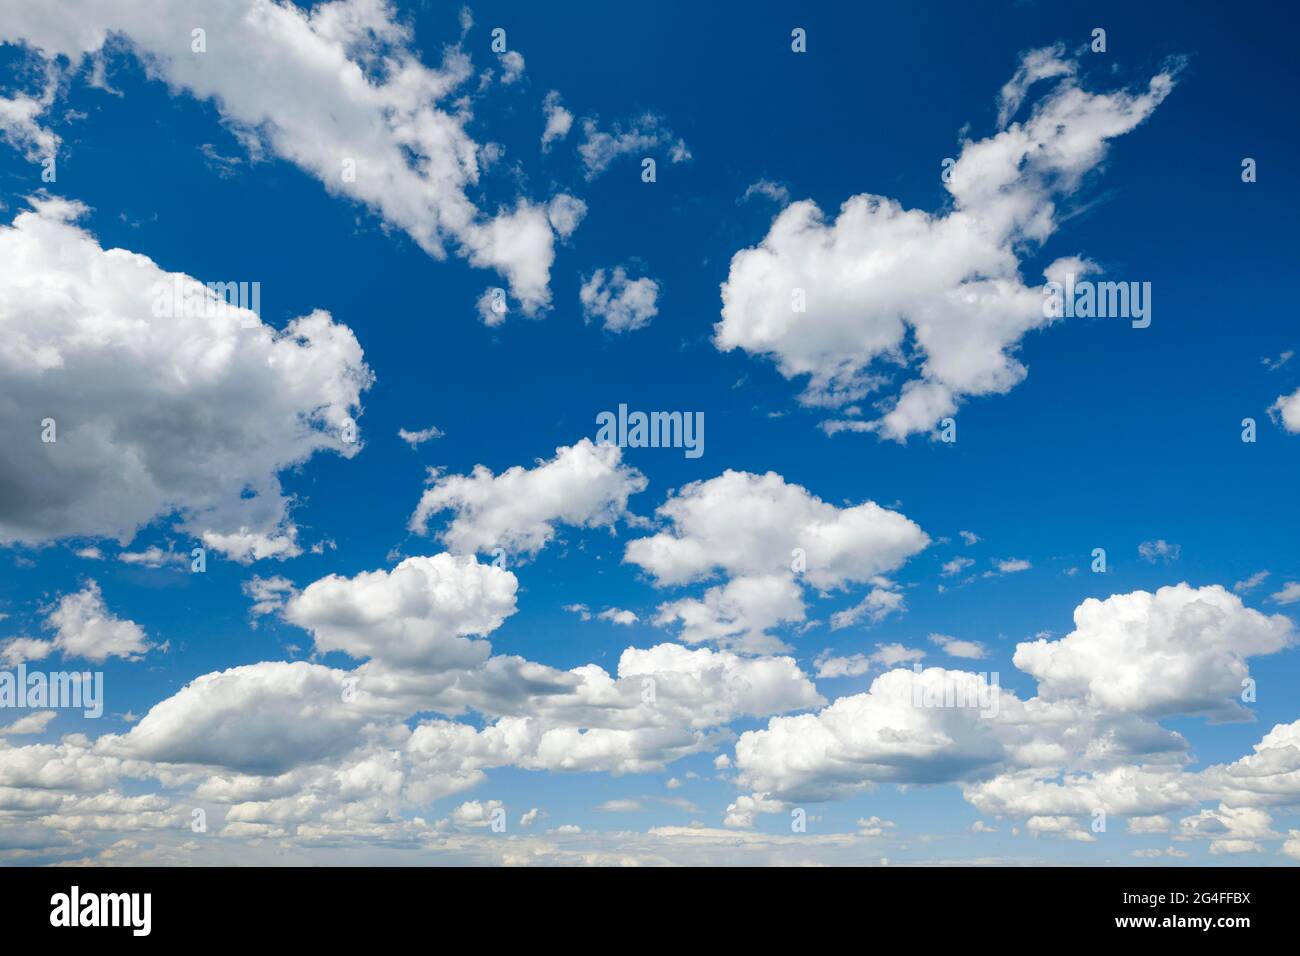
column 262, row 718
column 33, row 723
column 584, row 485
column 419, row 616
column 1065, row 827
column 417, row 438
column 83, row 628
column 644, row 134
column 19, row 120
column 953, row 647
column 558, row 120
column 1157, row 823
column 955, row 566
column 476, row 813
column 876, row 737
column 855, row 665
column 738, row 614
column 1289, row 594
column 565, row 213
column 754, row 529
column 1250, row 583
column 337, row 84
column 512, row 66
column 624, row 305
column 1159, row 550
column 777, row 192
column 742, row 524
column 152, row 557
column 1287, row 409
column 155, row 415
column 1181, row 650
column 618, row 616
column 879, row 603
column 268, row 594
column 618, row 806
column 948, row 286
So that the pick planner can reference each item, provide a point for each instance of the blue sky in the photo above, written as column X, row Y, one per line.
column 1114, row 438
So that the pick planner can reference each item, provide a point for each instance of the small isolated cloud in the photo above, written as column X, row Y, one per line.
column 879, row 603
column 565, row 213
column 623, row 304
column 1250, row 583
column 1273, row 364
column 618, row 806
column 512, row 66
column 855, row 665
column 1159, row 550
column 874, row 826
column 151, row 557
column 970, row 537
column 768, row 189
column 955, row 566
column 600, row 148
column 1287, row 410
column 417, row 438
column 1012, row 565
column 558, row 120
column 618, row 616
column 34, row 723
column 85, row 628
column 268, row 594
column 972, row 650
column 1289, row 594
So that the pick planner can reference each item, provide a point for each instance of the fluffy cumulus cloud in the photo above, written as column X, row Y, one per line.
column 85, row 629
column 421, row 614
column 585, row 485
column 843, row 302
column 260, row 718
column 622, row 304
column 558, row 120
column 1287, row 410
column 154, row 405
column 1181, row 650
column 1087, row 741
column 766, row 536
column 338, row 91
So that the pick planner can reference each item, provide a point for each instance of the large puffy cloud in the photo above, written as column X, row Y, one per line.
column 881, row 736
column 1181, row 650
column 154, row 414
column 742, row 523
column 1268, row 776
column 886, row 285
column 419, row 615
column 336, row 90
column 260, row 718
column 584, row 485
column 1087, row 741
column 765, row 535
